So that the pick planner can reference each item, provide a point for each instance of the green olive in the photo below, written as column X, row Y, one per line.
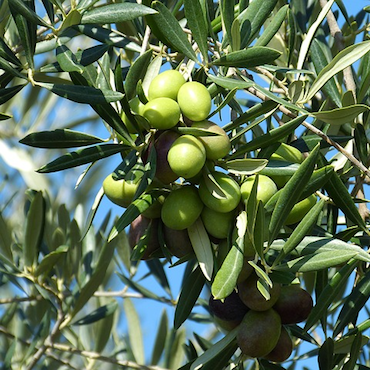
column 186, row 156
column 166, row 84
column 162, row 113
column 217, row 224
column 216, row 146
column 194, row 100
column 266, row 188
column 120, row 192
column 221, row 203
column 300, row 209
column 181, row 208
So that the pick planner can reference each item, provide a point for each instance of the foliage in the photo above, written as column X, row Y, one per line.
column 278, row 71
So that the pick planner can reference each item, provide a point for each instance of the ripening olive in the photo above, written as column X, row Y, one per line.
column 294, row 304
column 216, row 146
column 181, row 208
column 194, row 100
column 259, row 332
column 162, row 113
column 221, row 203
column 252, row 297
column 283, row 348
column 186, row 156
column 166, row 84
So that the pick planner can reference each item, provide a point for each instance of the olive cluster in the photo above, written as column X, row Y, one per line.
column 263, row 324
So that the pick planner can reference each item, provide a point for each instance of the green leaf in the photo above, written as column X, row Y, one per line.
column 342, row 60
column 83, row 94
column 96, row 279
column 172, row 31
column 326, row 354
column 136, row 73
column 317, row 261
column 202, row 247
column 290, row 193
column 160, row 339
column 361, row 143
column 98, row 314
column 247, row 166
column 82, row 156
column 73, row 18
column 50, row 260
column 20, row 7
column 340, row 116
column 273, row 27
column 252, row 19
column 115, row 13
column 319, row 61
column 59, row 138
column 7, row 54
column 198, row 25
column 226, row 8
column 343, row 345
column 190, row 291
column 270, row 137
column 156, row 268
column 66, row 59
column 134, row 331
column 227, row 276
column 137, row 207
column 230, row 83
column 219, row 347
column 248, row 58
column 354, row 353
column 34, row 229
column 329, row 293
column 307, row 222
column 338, row 192
column 8, row 93
column 353, row 304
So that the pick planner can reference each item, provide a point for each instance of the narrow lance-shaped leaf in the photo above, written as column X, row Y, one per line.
column 190, row 291
column 319, row 61
column 273, row 27
column 247, row 166
column 291, row 192
column 66, row 59
column 270, row 137
column 342, row 60
column 160, row 339
column 202, row 247
column 340, row 116
column 49, row 261
column 301, row 230
column 252, row 19
column 353, row 304
column 227, row 276
column 248, row 58
column 227, row 16
column 329, row 293
column 59, row 138
column 172, row 31
column 197, row 24
column 8, row 93
column 134, row 331
column 136, row 73
column 22, row 9
column 83, row 156
column 83, row 94
column 115, row 13
column 34, row 229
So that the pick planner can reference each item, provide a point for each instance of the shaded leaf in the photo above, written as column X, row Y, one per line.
column 34, row 229
column 172, row 31
column 98, row 314
column 50, row 260
column 190, row 291
column 59, row 138
column 8, row 93
column 343, row 59
column 134, row 331
column 160, row 339
column 227, row 276
column 82, row 156
column 83, row 94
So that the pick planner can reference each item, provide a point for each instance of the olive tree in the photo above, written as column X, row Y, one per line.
column 127, row 190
